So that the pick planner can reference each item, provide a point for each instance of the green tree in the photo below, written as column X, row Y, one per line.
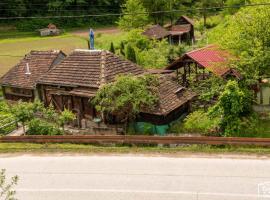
column 232, row 105
column 127, row 96
column 247, row 35
column 112, row 49
column 131, row 54
column 6, row 189
column 134, row 15
column 122, row 48
column 24, row 112
column 235, row 6
column 205, row 6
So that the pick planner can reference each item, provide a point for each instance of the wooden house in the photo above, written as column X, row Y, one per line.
column 182, row 31
column 50, row 30
column 204, row 62
column 179, row 32
column 75, row 81
column 19, row 83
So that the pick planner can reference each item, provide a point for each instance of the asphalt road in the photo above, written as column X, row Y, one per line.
column 136, row 178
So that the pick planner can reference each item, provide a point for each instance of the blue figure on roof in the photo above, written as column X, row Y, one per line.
column 92, row 39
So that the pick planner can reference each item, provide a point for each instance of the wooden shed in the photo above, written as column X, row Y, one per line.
column 50, row 30
column 19, row 83
column 182, row 31
column 203, row 63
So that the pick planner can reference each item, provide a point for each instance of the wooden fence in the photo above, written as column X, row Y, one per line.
column 120, row 139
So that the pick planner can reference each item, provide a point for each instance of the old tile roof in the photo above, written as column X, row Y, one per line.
column 180, row 29
column 39, row 62
column 89, row 68
column 156, row 32
column 171, row 96
column 187, row 19
column 210, row 57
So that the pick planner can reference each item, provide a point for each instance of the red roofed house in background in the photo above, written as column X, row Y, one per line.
column 19, row 83
column 204, row 62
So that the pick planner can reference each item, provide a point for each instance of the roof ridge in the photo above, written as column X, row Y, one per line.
column 103, row 56
column 206, row 47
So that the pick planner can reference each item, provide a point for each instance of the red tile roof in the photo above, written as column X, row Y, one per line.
column 39, row 63
column 210, row 57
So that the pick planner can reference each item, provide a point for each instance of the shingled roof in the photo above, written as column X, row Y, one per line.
column 185, row 18
column 171, row 96
column 89, row 68
column 211, row 58
column 156, row 32
column 39, row 62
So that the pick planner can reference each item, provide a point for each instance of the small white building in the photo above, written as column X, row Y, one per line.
column 51, row 30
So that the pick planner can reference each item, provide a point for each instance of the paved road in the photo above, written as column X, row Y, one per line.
column 136, row 178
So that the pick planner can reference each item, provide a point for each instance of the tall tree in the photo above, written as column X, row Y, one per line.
column 207, row 7
column 131, row 54
column 134, row 15
column 247, row 34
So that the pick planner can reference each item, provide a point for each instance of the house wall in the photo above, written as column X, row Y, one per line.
column 164, row 119
column 263, row 96
column 16, row 94
column 60, row 98
column 47, row 32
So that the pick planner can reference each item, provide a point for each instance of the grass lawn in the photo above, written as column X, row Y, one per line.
column 79, row 148
column 22, row 43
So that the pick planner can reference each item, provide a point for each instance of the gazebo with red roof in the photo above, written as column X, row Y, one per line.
column 204, row 62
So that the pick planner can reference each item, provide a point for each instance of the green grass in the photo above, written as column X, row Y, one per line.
column 21, row 43
column 78, row 148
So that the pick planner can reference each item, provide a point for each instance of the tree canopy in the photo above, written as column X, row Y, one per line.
column 127, row 96
column 247, row 34
column 134, row 15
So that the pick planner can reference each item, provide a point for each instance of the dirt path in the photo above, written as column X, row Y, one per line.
column 108, row 30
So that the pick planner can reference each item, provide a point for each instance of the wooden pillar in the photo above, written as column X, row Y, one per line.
column 62, row 102
column 196, row 71
column 203, row 73
column 4, row 91
column 72, row 103
column 189, row 69
column 261, row 95
column 179, row 38
column 185, row 75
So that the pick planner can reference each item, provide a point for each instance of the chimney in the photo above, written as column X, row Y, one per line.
column 27, row 69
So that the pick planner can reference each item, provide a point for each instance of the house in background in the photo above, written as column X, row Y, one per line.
column 204, row 62
column 156, row 32
column 75, row 81
column 19, row 83
column 182, row 31
column 51, row 30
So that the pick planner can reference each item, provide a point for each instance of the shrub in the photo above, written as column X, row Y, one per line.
column 200, row 122
column 41, row 127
